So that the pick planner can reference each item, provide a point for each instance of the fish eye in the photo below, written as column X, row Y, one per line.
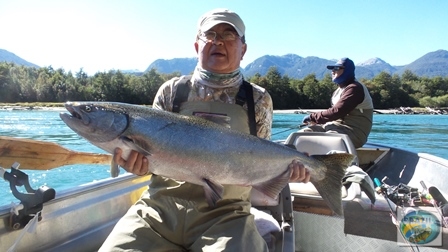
column 88, row 108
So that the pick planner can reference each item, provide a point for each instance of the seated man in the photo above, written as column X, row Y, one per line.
column 351, row 112
column 174, row 215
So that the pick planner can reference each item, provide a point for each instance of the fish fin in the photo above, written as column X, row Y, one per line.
column 213, row 192
column 330, row 187
column 138, row 144
column 114, row 169
column 272, row 188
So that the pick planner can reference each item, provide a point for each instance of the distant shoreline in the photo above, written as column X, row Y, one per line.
column 409, row 111
column 31, row 108
column 60, row 107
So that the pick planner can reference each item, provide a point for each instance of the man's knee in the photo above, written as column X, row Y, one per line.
column 306, row 130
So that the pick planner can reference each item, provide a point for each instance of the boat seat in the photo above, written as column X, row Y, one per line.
column 321, row 143
column 280, row 209
column 275, row 222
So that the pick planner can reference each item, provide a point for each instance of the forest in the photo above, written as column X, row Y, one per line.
column 28, row 84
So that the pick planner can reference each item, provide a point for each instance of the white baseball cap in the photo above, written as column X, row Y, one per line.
column 219, row 16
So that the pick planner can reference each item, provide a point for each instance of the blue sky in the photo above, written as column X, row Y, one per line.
column 100, row 35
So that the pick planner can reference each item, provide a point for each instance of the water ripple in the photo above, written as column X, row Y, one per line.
column 420, row 133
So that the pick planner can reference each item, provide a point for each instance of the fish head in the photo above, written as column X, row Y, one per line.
column 95, row 121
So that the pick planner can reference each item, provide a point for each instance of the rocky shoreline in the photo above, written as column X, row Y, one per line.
column 16, row 107
column 398, row 111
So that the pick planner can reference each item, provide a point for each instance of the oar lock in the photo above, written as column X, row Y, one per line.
column 31, row 202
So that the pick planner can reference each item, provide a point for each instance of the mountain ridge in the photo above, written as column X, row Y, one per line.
column 430, row 65
column 11, row 57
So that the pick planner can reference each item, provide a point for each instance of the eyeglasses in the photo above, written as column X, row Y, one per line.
column 210, row 36
column 337, row 68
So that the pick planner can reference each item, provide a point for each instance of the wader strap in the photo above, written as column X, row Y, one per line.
column 249, row 97
column 183, row 89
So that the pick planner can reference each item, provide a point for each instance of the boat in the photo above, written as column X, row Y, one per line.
column 80, row 218
column 366, row 226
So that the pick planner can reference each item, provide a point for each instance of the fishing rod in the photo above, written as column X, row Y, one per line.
column 383, row 189
column 291, row 128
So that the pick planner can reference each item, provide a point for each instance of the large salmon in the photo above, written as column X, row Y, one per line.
column 192, row 149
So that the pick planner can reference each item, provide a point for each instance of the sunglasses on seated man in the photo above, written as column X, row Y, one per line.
column 337, row 68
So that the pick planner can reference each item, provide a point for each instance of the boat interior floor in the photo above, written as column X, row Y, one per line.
column 362, row 218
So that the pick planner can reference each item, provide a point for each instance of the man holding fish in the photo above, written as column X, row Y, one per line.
column 175, row 215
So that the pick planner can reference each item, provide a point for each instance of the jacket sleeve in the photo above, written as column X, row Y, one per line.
column 263, row 112
column 352, row 95
column 165, row 95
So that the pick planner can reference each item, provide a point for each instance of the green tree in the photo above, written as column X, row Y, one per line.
column 29, row 84
column 118, row 87
column 6, row 84
column 301, row 99
column 151, row 81
column 442, row 101
column 428, row 102
column 318, row 92
column 82, row 78
column 386, row 91
column 44, row 87
column 283, row 96
column 59, row 85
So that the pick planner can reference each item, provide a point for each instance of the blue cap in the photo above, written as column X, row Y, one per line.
column 349, row 71
column 344, row 62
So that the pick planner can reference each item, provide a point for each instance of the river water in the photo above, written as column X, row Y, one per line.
column 419, row 133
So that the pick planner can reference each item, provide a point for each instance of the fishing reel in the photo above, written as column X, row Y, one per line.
column 402, row 194
column 31, row 202
column 405, row 195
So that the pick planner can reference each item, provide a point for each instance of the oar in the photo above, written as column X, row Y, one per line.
column 41, row 155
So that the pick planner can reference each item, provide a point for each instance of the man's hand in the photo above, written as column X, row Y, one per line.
column 306, row 120
column 298, row 172
column 137, row 163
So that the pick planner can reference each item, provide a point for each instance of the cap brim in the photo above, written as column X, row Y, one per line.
column 207, row 26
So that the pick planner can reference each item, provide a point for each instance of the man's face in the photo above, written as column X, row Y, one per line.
column 219, row 55
column 336, row 73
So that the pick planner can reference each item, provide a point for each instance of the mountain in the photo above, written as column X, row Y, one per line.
column 182, row 65
column 11, row 57
column 371, row 67
column 430, row 65
column 290, row 64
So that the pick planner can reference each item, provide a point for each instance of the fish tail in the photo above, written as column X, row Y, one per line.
column 330, row 187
